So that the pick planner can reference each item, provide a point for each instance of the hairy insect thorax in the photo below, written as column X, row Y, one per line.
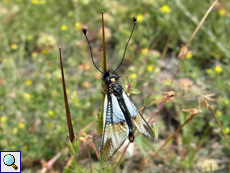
column 112, row 84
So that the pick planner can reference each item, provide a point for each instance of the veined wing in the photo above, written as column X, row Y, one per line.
column 115, row 128
column 138, row 120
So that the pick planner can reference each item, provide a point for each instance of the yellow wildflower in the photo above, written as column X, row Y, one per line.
column 78, row 26
column 144, row 51
column 54, row 92
column 226, row 102
column 50, row 113
column 6, row 1
column 218, row 113
column 39, row 2
column 27, row 96
column 222, row 12
column 29, row 37
column 226, row 130
column 44, row 51
column 165, row 9
column 74, row 95
column 48, row 124
column 75, row 100
column 3, row 119
column 12, row 148
column 28, row 82
column 150, row 68
column 15, row 131
column 24, row 148
column 14, row 46
column 21, row 125
column 34, row 1
column 139, row 17
column 63, row 28
column 218, row 69
column 209, row 71
column 34, row 55
column 189, row 55
column 133, row 76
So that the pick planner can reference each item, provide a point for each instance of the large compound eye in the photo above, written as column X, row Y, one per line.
column 107, row 80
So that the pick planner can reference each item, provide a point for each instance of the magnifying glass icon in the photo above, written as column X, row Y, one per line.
column 9, row 160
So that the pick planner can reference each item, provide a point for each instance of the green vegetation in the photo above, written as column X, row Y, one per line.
column 32, row 109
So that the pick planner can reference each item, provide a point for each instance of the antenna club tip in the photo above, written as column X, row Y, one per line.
column 84, row 30
column 134, row 19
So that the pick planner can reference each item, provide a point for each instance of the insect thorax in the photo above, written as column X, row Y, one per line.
column 111, row 83
column 115, row 88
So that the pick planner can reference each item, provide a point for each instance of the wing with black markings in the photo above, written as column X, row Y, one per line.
column 115, row 128
column 138, row 120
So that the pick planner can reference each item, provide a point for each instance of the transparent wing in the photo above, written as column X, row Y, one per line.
column 115, row 129
column 138, row 120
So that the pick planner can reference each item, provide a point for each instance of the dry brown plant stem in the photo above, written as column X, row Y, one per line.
column 184, row 49
column 68, row 116
column 86, row 127
column 213, row 114
column 201, row 22
column 165, row 50
column 69, row 161
column 89, row 155
column 172, row 136
column 229, row 167
column 123, row 153
column 154, row 102
column 103, row 62
column 103, row 58
column 155, row 42
column 204, row 100
column 104, row 51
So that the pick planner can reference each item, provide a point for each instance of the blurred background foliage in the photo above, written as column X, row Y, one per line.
column 32, row 112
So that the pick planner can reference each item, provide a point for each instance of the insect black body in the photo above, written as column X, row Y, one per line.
column 114, row 88
column 119, row 114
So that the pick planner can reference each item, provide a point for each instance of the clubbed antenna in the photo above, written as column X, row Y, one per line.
column 135, row 21
column 84, row 32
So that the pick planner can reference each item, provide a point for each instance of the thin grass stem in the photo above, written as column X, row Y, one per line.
column 172, row 136
column 215, row 117
column 90, row 160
